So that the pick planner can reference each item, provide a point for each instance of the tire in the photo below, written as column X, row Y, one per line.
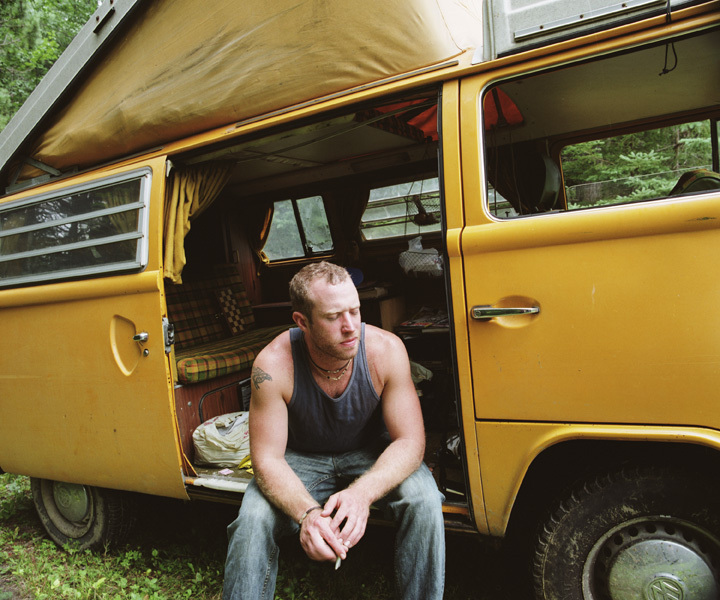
column 82, row 516
column 637, row 533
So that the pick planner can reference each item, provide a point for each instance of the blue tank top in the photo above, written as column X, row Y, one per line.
column 318, row 422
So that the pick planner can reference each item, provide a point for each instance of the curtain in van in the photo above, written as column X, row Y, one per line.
column 257, row 225
column 120, row 195
column 191, row 191
column 349, row 208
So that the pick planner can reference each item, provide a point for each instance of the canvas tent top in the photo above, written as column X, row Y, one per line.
column 172, row 68
column 143, row 73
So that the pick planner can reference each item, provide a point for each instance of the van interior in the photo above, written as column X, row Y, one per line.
column 360, row 189
column 363, row 188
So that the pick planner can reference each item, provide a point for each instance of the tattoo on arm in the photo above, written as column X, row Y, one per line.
column 258, row 376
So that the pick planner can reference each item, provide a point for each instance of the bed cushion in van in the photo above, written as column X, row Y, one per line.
column 220, row 357
column 195, row 311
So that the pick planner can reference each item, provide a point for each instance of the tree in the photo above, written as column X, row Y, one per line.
column 33, row 34
column 635, row 166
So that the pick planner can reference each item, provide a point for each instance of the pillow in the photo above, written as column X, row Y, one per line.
column 230, row 310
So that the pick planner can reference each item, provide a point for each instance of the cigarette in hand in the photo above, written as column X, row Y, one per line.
column 338, row 560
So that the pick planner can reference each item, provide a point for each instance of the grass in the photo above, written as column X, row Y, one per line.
column 177, row 551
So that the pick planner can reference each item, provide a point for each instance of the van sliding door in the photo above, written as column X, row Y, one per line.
column 592, row 220
column 85, row 394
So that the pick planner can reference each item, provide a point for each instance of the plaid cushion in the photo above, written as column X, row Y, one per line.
column 195, row 314
column 194, row 309
column 228, row 355
column 203, row 347
column 226, row 277
column 230, row 310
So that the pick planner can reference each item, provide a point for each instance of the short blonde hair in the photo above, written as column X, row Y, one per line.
column 300, row 284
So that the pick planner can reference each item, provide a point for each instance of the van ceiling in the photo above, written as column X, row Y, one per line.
column 346, row 145
column 624, row 88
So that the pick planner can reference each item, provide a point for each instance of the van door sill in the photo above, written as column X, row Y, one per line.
column 216, row 483
column 215, row 479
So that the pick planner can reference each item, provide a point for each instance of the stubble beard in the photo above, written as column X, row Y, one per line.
column 332, row 351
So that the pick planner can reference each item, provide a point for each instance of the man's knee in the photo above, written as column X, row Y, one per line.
column 256, row 515
column 419, row 494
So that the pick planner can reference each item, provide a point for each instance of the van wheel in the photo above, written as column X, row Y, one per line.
column 635, row 533
column 82, row 516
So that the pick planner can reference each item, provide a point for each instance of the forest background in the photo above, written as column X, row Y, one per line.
column 33, row 34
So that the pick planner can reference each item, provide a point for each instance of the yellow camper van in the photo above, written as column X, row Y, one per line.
column 528, row 197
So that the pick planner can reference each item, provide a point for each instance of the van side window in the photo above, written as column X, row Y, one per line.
column 405, row 209
column 637, row 166
column 299, row 228
column 608, row 131
column 83, row 231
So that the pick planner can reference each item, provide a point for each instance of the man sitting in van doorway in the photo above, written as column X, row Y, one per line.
column 333, row 403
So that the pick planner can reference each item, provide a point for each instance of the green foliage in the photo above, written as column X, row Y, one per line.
column 177, row 552
column 14, row 493
column 636, row 166
column 284, row 239
column 33, row 34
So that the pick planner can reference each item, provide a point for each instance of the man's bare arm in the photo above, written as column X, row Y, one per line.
column 278, row 482
column 268, row 441
column 403, row 419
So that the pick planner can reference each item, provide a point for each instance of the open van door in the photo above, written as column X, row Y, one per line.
column 594, row 311
column 85, row 384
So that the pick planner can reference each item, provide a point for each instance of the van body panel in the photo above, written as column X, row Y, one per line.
column 507, row 449
column 451, row 159
column 68, row 291
column 463, row 366
column 454, row 217
column 624, row 335
column 619, row 361
column 82, row 401
column 624, row 347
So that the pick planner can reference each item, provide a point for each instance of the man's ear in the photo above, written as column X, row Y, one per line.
column 300, row 320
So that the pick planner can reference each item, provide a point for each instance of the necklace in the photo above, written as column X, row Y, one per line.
column 329, row 372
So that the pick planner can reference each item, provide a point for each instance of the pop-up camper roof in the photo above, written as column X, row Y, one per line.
column 172, row 68
column 142, row 73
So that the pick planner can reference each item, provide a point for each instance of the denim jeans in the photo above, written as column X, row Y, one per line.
column 415, row 505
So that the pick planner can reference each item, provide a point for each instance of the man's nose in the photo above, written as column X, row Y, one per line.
column 348, row 324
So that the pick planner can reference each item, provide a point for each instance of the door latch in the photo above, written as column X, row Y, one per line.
column 485, row 312
column 168, row 334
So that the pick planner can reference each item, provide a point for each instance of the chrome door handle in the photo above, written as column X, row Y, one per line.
column 141, row 337
column 485, row 313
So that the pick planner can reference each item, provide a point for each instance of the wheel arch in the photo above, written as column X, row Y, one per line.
column 563, row 454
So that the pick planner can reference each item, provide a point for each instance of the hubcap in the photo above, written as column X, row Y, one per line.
column 71, row 500
column 653, row 559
